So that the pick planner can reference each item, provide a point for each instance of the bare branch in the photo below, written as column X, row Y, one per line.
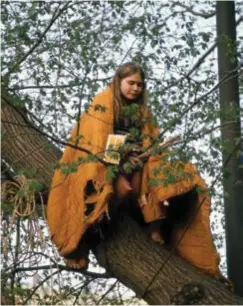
column 16, row 87
column 109, row 290
column 80, row 290
column 61, row 268
column 36, row 288
column 200, row 14
column 15, row 258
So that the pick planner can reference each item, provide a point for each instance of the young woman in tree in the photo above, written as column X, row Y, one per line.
column 78, row 200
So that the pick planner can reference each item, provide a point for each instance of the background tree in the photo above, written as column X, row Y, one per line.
column 231, row 139
column 55, row 57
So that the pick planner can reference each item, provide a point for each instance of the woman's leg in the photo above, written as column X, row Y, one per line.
column 78, row 259
column 153, row 227
column 122, row 187
column 154, row 230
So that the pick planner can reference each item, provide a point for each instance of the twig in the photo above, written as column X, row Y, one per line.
column 15, row 258
column 81, row 289
column 40, row 284
column 104, row 295
column 169, row 142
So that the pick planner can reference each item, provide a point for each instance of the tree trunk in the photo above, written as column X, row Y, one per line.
column 231, row 135
column 154, row 273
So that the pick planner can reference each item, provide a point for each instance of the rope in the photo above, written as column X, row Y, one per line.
column 21, row 197
column 18, row 194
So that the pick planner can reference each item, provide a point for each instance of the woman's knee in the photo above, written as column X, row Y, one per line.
column 122, row 186
column 136, row 182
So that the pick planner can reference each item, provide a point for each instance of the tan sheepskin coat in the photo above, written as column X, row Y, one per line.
column 68, row 202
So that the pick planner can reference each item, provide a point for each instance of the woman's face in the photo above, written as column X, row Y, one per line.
column 131, row 86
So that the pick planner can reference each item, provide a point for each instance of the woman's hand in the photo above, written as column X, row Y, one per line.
column 133, row 160
column 131, row 163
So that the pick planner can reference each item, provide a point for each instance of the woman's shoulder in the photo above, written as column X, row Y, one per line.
column 103, row 100
column 105, row 93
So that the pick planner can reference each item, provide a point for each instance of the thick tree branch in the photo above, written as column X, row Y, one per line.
column 131, row 256
column 22, row 119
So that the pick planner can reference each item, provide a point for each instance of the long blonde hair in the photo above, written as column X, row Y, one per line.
column 122, row 72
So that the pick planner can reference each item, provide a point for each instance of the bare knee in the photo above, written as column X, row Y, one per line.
column 136, row 182
column 122, row 186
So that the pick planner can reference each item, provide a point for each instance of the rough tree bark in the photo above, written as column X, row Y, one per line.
column 155, row 273
column 129, row 254
column 24, row 147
